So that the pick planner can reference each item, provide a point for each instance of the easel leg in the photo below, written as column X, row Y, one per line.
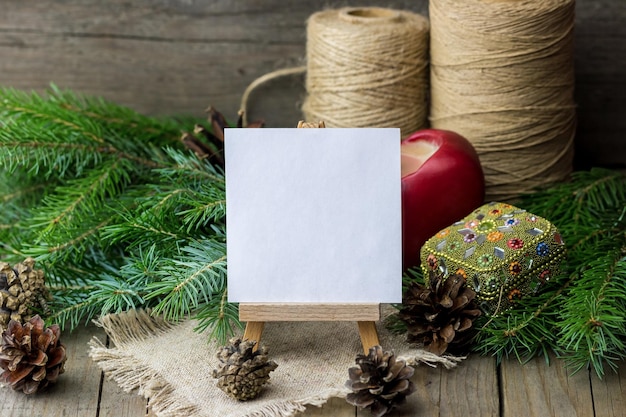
column 254, row 330
column 369, row 335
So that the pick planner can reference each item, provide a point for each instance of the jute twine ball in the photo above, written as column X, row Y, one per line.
column 502, row 75
column 367, row 67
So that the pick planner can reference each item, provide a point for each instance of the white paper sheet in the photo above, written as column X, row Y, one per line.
column 313, row 215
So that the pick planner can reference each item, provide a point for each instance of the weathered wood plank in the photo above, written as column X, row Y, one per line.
column 75, row 393
column 425, row 401
column 609, row 393
column 120, row 70
column 471, row 389
column 114, row 402
column 168, row 57
column 335, row 407
column 537, row 390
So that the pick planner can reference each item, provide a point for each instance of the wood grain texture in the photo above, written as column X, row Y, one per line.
column 609, row 393
column 335, row 407
column 369, row 335
column 426, row 399
column 75, row 394
column 254, row 331
column 471, row 389
column 115, row 402
column 169, row 57
column 308, row 312
column 538, row 390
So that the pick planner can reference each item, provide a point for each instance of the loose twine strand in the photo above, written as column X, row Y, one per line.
column 502, row 76
column 265, row 78
column 367, row 67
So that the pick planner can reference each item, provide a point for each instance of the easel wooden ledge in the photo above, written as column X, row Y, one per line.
column 256, row 314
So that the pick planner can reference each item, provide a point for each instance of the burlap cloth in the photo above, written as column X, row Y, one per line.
column 170, row 364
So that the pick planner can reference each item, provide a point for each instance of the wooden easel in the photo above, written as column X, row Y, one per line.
column 256, row 314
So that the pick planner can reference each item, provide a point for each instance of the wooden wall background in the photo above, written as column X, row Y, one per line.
column 165, row 57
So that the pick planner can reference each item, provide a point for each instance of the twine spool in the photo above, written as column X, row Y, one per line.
column 502, row 75
column 367, row 67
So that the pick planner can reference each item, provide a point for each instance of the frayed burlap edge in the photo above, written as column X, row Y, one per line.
column 129, row 373
column 290, row 408
column 133, row 375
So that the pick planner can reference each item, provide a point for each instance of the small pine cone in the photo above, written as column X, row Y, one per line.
column 243, row 371
column 380, row 382
column 31, row 355
column 440, row 315
column 22, row 291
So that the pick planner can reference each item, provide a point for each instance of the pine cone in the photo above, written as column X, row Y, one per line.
column 380, row 382
column 212, row 147
column 244, row 371
column 31, row 355
column 22, row 290
column 440, row 315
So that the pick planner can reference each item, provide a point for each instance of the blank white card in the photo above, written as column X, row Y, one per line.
column 313, row 215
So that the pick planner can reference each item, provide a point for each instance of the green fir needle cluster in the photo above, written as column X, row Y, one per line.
column 581, row 314
column 114, row 209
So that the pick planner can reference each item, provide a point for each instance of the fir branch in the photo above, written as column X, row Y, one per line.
column 82, row 197
column 23, row 107
column 582, row 319
column 593, row 327
column 20, row 193
column 70, row 311
column 164, row 132
column 32, row 125
column 40, row 153
column 220, row 317
column 191, row 281
column 115, row 294
column 206, row 208
column 80, row 294
column 187, row 165
column 72, row 246
column 133, row 230
column 49, row 159
column 526, row 330
column 121, row 215
column 72, row 288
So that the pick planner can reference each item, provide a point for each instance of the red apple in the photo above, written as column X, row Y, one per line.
column 442, row 182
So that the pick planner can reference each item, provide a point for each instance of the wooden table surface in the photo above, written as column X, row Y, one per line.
column 478, row 387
